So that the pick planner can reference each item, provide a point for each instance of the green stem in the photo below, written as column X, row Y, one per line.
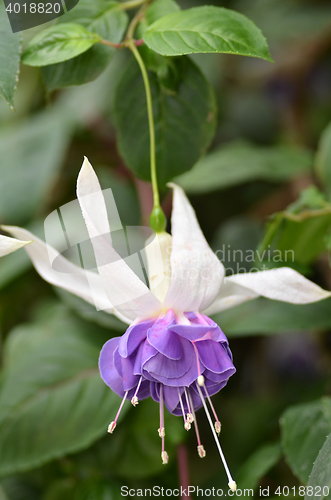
column 131, row 4
column 142, row 66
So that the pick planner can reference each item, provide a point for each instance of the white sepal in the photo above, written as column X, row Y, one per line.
column 122, row 286
column 284, row 284
column 196, row 272
column 9, row 245
column 158, row 252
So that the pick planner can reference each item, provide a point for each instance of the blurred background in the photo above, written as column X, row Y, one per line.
column 265, row 184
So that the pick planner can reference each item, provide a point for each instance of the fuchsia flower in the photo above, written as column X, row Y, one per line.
column 172, row 350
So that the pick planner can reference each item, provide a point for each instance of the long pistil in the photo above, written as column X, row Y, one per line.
column 232, row 484
column 112, row 425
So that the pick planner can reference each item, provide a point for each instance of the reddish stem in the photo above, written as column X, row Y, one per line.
column 183, row 471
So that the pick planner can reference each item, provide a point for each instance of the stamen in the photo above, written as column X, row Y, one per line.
column 189, row 416
column 217, row 424
column 187, row 424
column 164, row 454
column 112, row 425
column 200, row 448
column 134, row 400
column 232, row 484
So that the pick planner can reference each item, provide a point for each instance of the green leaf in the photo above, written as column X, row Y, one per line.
column 58, row 43
column 258, row 465
column 179, row 142
column 160, row 8
column 262, row 317
column 52, row 399
column 320, row 478
column 101, row 17
column 206, row 29
column 31, row 156
column 300, row 231
column 323, row 160
column 240, row 161
column 10, row 44
column 155, row 11
column 304, row 428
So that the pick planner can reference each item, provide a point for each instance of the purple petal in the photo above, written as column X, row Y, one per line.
column 190, row 332
column 107, row 369
column 129, row 379
column 118, row 362
column 155, row 391
column 213, row 356
column 132, row 337
column 174, row 373
column 165, row 341
column 171, row 398
column 145, row 352
column 168, row 368
column 216, row 378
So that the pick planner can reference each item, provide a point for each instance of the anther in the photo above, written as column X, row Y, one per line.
column 134, row 401
column 201, row 380
column 217, row 427
column 201, row 451
column 111, row 427
column 187, row 426
column 165, row 457
column 190, row 418
column 161, row 432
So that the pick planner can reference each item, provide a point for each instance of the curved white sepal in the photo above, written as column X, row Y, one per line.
column 158, row 252
column 122, row 286
column 196, row 272
column 72, row 278
column 9, row 245
column 284, row 284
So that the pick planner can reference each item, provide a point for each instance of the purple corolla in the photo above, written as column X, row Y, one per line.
column 165, row 358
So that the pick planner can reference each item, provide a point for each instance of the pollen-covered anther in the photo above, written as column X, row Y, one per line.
column 232, row 485
column 201, row 451
column 134, row 401
column 165, row 457
column 111, row 427
column 187, row 425
column 189, row 418
column 161, row 432
column 217, row 426
column 201, row 380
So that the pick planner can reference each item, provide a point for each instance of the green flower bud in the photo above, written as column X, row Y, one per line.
column 157, row 220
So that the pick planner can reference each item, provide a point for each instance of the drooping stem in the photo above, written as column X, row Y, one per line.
column 143, row 70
